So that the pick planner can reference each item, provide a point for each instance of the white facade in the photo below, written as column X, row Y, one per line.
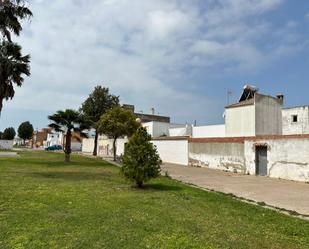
column 6, row 144
column 157, row 129
column 54, row 138
column 208, row 131
column 160, row 129
column 240, row 121
column 180, row 131
column 259, row 116
column 173, row 151
column 295, row 120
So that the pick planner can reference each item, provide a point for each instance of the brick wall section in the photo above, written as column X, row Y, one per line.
column 242, row 139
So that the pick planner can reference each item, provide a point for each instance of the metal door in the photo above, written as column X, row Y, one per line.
column 261, row 161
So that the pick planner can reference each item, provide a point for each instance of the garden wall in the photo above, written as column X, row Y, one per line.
column 172, row 150
column 220, row 153
column 6, row 144
column 287, row 156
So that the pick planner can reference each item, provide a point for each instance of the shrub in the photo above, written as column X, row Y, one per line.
column 141, row 161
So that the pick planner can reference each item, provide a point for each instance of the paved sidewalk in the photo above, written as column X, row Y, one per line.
column 284, row 194
column 8, row 154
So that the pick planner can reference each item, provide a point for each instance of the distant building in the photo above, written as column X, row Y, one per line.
column 144, row 118
column 39, row 137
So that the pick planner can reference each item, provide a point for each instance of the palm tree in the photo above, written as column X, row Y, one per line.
column 11, row 12
column 68, row 121
column 12, row 63
column 12, row 66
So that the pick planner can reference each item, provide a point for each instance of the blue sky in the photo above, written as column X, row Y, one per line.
column 178, row 56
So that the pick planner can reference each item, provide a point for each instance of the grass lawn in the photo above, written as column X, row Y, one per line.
column 45, row 203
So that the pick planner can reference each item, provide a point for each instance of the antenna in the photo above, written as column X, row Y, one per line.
column 228, row 95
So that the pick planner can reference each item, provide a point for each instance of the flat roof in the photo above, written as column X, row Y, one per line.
column 294, row 107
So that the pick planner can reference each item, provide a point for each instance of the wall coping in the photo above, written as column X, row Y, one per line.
column 170, row 138
column 243, row 139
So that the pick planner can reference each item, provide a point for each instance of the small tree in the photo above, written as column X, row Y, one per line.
column 25, row 131
column 117, row 123
column 141, row 161
column 97, row 104
column 68, row 121
column 8, row 134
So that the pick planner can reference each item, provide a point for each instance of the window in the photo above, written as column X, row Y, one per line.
column 294, row 118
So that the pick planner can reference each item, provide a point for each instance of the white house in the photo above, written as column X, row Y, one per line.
column 295, row 120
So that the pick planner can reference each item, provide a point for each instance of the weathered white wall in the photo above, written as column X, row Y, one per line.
column 208, row 131
column 268, row 119
column 172, row 151
column 88, row 145
column 105, row 146
column 6, row 144
column 76, row 146
column 301, row 126
column 240, row 121
column 287, row 158
column 222, row 156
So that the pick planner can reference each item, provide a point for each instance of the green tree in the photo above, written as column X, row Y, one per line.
column 13, row 65
column 97, row 104
column 9, row 134
column 117, row 123
column 141, row 161
column 68, row 121
column 25, row 131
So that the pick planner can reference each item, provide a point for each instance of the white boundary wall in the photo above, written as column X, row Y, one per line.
column 173, row 151
column 208, row 131
column 6, row 144
column 88, row 145
column 287, row 158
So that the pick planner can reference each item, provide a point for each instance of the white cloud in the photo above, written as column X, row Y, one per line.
column 138, row 48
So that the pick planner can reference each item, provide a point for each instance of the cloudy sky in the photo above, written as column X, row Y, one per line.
column 178, row 56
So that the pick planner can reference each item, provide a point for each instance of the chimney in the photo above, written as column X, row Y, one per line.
column 280, row 97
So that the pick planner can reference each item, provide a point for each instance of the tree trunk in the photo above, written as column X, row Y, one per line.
column 68, row 146
column 95, row 143
column 1, row 105
column 114, row 148
column 67, row 158
column 139, row 184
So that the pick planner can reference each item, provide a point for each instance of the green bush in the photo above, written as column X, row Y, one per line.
column 141, row 161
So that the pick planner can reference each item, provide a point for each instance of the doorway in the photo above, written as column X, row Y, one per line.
column 261, row 160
